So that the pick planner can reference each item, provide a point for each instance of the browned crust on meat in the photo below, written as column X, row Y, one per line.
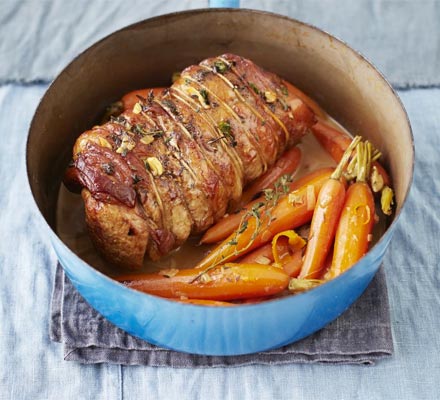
column 117, row 231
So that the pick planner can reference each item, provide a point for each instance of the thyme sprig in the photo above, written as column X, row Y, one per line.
column 221, row 67
column 225, row 128
column 252, row 219
column 260, row 210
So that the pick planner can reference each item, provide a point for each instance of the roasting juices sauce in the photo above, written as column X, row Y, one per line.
column 72, row 229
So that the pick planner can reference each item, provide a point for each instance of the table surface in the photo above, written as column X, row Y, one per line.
column 33, row 367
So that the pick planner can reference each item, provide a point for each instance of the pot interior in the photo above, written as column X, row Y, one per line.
column 146, row 54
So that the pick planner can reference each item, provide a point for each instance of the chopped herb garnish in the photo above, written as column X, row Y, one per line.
column 282, row 185
column 171, row 106
column 116, row 139
column 108, row 168
column 225, row 128
column 156, row 134
column 136, row 178
column 139, row 130
column 258, row 205
column 220, row 67
column 243, row 227
column 284, row 90
column 204, row 94
column 256, row 213
column 254, row 88
column 150, row 97
column 201, row 75
column 118, row 120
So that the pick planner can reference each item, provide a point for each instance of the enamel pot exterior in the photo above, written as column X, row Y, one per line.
column 145, row 55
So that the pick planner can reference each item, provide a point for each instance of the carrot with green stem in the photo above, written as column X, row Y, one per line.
column 287, row 164
column 353, row 233
column 226, row 282
column 227, row 225
column 325, row 219
column 336, row 142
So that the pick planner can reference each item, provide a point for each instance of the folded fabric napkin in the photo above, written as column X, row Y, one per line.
column 361, row 335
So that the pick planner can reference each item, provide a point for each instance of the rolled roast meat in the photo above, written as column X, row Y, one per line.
column 174, row 164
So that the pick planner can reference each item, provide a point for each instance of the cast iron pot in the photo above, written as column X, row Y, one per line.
column 145, row 55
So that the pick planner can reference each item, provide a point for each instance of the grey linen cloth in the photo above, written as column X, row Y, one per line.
column 361, row 335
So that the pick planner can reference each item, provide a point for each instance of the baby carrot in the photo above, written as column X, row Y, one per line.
column 227, row 225
column 287, row 164
column 325, row 219
column 130, row 99
column 357, row 218
column 323, row 227
column 225, row 282
column 336, row 142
